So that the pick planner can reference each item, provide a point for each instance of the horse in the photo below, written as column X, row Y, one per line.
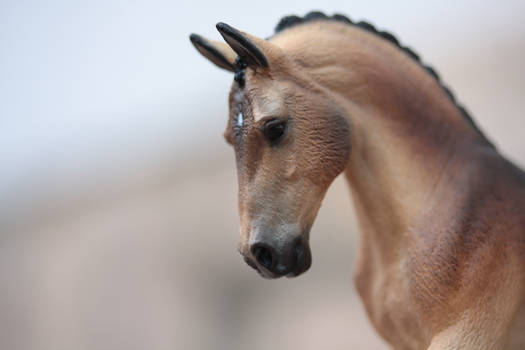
column 441, row 213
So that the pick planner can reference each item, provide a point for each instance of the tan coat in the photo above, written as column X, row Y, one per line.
column 441, row 262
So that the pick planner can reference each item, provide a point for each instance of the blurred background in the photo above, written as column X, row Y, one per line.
column 118, row 217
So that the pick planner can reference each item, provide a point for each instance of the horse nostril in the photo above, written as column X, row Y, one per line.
column 302, row 257
column 299, row 251
column 263, row 255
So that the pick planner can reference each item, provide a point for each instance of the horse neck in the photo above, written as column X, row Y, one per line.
column 408, row 137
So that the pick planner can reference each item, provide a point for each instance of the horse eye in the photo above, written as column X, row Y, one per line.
column 274, row 129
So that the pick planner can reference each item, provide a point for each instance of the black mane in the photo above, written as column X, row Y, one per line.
column 292, row 21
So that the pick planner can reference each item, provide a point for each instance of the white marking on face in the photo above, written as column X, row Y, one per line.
column 240, row 119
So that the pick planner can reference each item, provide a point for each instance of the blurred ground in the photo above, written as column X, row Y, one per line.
column 147, row 272
column 129, row 242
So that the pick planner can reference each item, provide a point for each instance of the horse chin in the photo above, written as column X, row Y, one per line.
column 262, row 272
column 270, row 275
column 302, row 269
column 295, row 274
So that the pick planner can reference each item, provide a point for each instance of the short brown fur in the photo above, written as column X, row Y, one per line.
column 441, row 262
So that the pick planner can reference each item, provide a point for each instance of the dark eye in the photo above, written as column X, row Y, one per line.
column 274, row 130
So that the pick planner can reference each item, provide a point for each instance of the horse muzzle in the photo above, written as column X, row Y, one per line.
column 274, row 259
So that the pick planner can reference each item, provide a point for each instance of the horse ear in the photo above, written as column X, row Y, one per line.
column 245, row 45
column 219, row 53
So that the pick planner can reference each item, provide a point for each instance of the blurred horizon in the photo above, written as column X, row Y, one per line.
column 110, row 93
column 118, row 213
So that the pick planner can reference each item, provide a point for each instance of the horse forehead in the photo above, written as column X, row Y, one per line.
column 268, row 102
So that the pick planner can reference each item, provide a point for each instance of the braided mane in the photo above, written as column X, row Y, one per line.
column 292, row 21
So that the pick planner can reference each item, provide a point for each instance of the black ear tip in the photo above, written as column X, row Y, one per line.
column 226, row 29
column 194, row 37
column 221, row 25
column 211, row 51
column 244, row 47
column 197, row 40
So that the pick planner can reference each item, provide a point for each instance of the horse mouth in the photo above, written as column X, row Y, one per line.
column 261, row 271
column 265, row 273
